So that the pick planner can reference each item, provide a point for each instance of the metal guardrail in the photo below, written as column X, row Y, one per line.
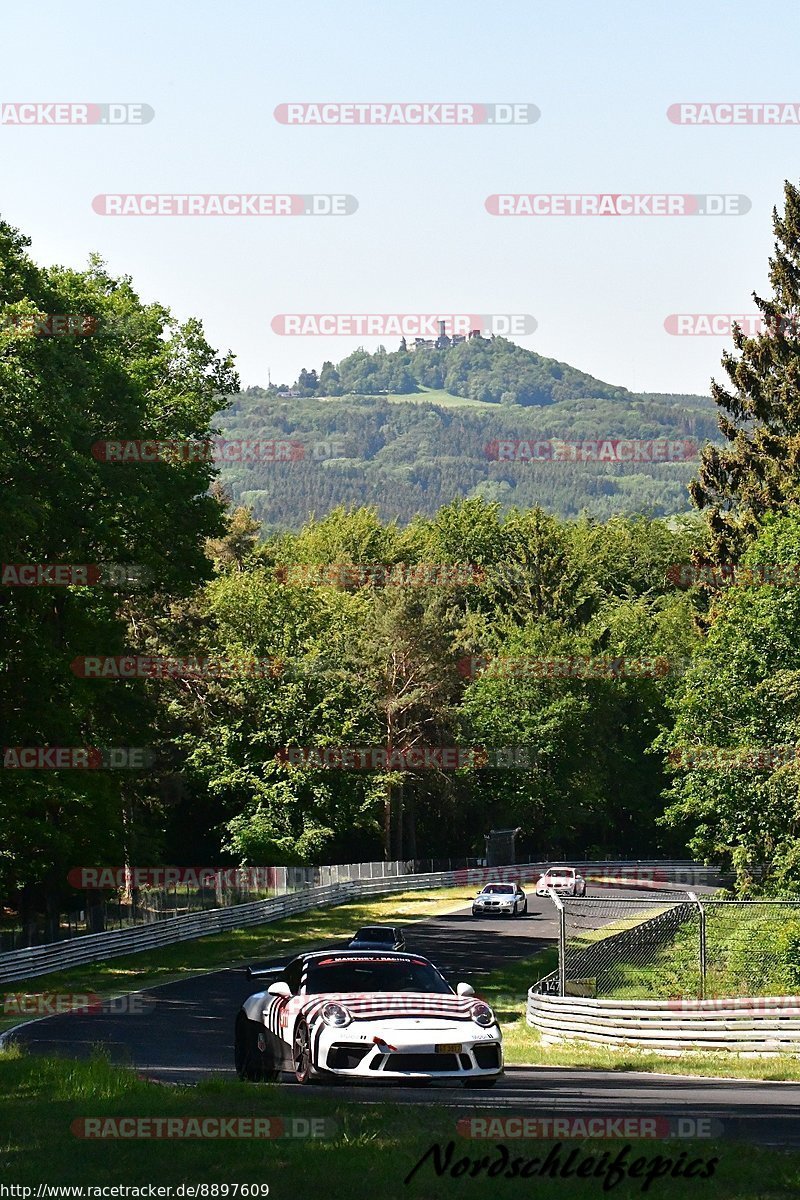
column 33, row 961
column 116, row 898
column 766, row 1025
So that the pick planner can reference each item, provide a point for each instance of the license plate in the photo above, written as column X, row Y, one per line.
column 449, row 1048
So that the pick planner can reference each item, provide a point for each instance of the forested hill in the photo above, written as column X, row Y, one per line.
column 408, row 432
column 493, row 370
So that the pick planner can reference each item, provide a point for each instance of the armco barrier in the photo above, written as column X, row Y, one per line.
column 763, row 1025
column 33, row 961
column 94, row 947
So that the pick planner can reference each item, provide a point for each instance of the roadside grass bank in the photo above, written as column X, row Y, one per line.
column 370, row 1151
column 302, row 931
column 507, row 990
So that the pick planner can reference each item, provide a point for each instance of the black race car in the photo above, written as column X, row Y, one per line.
column 378, row 937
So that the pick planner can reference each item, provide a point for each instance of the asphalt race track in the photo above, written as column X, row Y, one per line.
column 185, row 1033
column 188, row 1033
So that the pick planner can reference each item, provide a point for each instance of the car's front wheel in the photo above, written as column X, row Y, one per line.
column 302, row 1053
column 252, row 1058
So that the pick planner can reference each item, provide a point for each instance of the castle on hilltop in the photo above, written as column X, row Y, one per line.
column 443, row 341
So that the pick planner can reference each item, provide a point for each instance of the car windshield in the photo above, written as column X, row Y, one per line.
column 560, row 874
column 374, row 975
column 498, row 889
column 374, row 933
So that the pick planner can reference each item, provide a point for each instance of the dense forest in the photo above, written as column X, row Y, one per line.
column 624, row 684
column 406, row 458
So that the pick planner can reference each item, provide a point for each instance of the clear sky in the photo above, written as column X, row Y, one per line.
column 603, row 76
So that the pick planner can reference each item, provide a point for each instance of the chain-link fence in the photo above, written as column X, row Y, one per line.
column 673, row 945
column 752, row 948
column 609, row 945
column 197, row 890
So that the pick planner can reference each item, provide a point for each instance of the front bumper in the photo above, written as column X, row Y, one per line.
column 493, row 908
column 412, row 1054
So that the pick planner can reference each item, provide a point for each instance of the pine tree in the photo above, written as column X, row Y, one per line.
column 758, row 472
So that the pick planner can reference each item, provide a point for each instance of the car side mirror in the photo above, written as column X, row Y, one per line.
column 465, row 989
column 279, row 989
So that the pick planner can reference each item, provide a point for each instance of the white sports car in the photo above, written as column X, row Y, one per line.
column 373, row 1015
column 564, row 881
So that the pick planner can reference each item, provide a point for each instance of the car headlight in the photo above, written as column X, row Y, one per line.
column 482, row 1014
column 335, row 1014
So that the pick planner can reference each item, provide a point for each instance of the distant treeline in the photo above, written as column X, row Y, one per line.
column 409, row 458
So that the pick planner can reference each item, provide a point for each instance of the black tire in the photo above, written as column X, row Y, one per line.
column 525, row 907
column 301, row 1053
column 252, row 1058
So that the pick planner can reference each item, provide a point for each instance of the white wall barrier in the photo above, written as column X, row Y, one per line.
column 765, row 1025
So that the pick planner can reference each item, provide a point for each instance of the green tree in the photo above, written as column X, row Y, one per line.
column 591, row 784
column 739, row 704
column 406, row 657
column 758, row 472
column 132, row 373
column 329, row 380
column 289, row 687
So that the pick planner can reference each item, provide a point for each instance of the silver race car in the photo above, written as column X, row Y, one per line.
column 495, row 899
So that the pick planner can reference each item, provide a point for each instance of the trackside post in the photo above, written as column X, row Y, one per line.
column 702, row 913
column 562, row 942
